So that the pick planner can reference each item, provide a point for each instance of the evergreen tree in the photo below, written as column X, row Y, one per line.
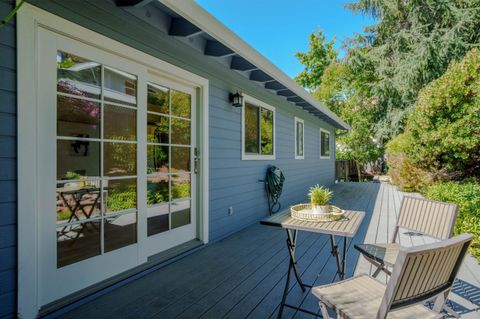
column 411, row 45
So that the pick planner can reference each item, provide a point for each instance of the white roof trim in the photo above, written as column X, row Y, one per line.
column 209, row 24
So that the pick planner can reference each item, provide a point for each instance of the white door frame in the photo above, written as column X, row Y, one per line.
column 29, row 20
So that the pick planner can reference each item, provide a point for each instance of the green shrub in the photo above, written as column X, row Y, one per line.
column 442, row 136
column 445, row 122
column 402, row 169
column 467, row 196
column 122, row 199
column 181, row 190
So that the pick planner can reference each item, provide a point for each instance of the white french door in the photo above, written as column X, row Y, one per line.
column 115, row 155
column 170, row 151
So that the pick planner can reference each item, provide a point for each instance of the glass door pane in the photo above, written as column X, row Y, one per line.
column 96, row 159
column 169, row 158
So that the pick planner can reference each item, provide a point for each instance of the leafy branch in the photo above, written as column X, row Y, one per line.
column 12, row 13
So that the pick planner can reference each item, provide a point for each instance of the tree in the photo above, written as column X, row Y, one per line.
column 342, row 93
column 442, row 135
column 335, row 89
column 411, row 45
column 320, row 54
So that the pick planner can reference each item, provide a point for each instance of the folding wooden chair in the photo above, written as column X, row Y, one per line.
column 427, row 217
column 421, row 273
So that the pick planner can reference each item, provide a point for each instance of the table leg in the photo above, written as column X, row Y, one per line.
column 336, row 254
column 344, row 257
column 291, row 243
column 72, row 209
column 292, row 265
column 285, row 290
column 89, row 214
column 341, row 265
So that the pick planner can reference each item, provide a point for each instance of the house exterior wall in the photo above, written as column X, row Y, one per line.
column 233, row 181
column 8, row 171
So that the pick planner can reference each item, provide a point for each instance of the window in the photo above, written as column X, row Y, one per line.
column 299, row 138
column 324, row 143
column 258, row 130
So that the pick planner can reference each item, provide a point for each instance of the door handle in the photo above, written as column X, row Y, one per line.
column 196, row 162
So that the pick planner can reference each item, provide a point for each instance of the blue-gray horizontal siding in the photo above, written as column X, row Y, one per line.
column 233, row 182
column 8, row 166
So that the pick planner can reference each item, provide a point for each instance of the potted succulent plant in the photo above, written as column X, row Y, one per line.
column 319, row 198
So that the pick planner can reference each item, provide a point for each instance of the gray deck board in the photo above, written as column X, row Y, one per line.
column 243, row 275
column 229, row 294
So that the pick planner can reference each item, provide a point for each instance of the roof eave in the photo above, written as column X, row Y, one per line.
column 209, row 24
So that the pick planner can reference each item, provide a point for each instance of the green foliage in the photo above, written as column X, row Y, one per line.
column 12, row 13
column 123, row 155
column 467, row 196
column 181, row 104
column 158, row 100
column 63, row 215
column 266, row 134
column 341, row 92
column 445, row 124
column 320, row 54
column 411, row 45
column 157, row 193
column 336, row 87
column 72, row 175
column 443, row 132
column 122, row 198
column 181, row 190
column 319, row 195
column 359, row 145
column 67, row 63
column 258, row 124
column 157, row 156
column 402, row 169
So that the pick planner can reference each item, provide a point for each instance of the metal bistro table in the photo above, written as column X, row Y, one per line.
column 77, row 194
column 78, row 206
column 345, row 227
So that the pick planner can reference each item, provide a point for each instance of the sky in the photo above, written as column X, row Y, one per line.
column 279, row 28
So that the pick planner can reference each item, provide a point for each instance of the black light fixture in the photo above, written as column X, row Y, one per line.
column 236, row 99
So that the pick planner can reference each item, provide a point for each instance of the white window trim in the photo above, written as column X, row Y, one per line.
column 29, row 20
column 329, row 137
column 253, row 157
column 299, row 120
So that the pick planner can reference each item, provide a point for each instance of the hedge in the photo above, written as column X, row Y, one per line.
column 467, row 196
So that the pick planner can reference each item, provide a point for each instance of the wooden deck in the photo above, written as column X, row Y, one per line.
column 243, row 275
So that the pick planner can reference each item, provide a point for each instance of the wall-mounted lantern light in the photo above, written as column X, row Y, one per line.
column 236, row 99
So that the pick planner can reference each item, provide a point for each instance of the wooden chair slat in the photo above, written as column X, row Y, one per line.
column 420, row 274
column 428, row 217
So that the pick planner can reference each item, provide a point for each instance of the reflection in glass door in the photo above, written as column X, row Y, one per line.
column 96, row 198
column 114, row 152
column 169, row 159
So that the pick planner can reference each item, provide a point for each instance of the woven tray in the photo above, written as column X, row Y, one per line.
column 304, row 212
